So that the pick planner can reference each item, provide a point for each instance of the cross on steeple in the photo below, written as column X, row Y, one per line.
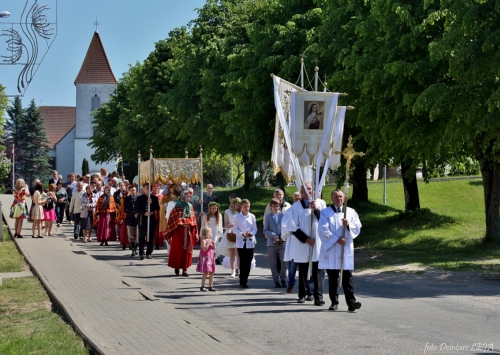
column 96, row 24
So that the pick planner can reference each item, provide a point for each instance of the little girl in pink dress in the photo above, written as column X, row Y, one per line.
column 206, row 260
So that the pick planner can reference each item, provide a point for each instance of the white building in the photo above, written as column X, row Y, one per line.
column 68, row 129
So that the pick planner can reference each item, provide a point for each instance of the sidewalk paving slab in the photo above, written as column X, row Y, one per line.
column 113, row 318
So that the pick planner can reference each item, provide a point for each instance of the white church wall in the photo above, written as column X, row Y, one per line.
column 84, row 94
column 82, row 150
column 64, row 151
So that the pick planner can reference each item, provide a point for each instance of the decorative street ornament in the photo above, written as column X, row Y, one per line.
column 29, row 39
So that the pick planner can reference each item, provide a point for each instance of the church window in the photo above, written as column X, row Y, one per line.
column 95, row 103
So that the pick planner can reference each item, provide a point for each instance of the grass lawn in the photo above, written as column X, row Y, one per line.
column 10, row 259
column 447, row 233
column 27, row 324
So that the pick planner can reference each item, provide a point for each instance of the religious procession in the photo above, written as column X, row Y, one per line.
column 165, row 206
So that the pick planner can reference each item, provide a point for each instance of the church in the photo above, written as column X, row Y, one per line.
column 69, row 129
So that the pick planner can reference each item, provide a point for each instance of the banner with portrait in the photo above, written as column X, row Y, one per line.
column 311, row 124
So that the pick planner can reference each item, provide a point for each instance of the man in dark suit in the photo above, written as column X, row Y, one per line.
column 208, row 197
column 145, row 207
column 131, row 219
column 55, row 177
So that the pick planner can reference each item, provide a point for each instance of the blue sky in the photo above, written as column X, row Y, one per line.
column 128, row 30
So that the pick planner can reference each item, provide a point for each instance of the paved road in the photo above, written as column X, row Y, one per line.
column 401, row 313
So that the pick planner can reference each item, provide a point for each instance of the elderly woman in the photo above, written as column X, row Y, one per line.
column 182, row 230
column 19, row 209
column 89, row 202
column 105, row 211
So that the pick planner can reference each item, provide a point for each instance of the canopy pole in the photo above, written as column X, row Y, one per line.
column 201, row 174
column 149, row 191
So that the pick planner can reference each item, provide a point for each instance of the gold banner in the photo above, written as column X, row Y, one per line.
column 173, row 169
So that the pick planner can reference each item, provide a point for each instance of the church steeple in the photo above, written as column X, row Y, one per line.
column 95, row 68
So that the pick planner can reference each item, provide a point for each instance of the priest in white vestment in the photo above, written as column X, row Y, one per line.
column 330, row 231
column 300, row 225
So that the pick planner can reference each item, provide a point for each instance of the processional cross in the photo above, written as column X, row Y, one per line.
column 349, row 153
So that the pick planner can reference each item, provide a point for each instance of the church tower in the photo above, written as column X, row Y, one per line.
column 94, row 85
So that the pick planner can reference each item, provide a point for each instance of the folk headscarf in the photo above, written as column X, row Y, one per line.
column 186, row 206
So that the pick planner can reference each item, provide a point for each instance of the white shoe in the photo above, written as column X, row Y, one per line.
column 233, row 275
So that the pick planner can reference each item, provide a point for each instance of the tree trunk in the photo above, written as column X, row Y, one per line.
column 280, row 180
column 360, row 187
column 248, row 164
column 490, row 172
column 412, row 200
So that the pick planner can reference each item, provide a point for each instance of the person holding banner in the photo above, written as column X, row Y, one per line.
column 332, row 223
column 145, row 212
column 182, row 230
column 301, row 223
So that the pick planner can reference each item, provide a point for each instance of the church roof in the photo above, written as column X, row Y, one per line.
column 58, row 121
column 95, row 68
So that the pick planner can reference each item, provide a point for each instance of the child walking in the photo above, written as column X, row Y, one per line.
column 206, row 260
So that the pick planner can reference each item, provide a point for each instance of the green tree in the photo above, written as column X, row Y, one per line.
column 5, row 165
column 85, row 167
column 465, row 102
column 33, row 144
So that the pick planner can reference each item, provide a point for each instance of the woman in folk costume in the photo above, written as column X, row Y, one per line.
column 120, row 221
column 213, row 220
column 88, row 203
column 105, row 212
column 182, row 230
column 19, row 209
column 158, row 240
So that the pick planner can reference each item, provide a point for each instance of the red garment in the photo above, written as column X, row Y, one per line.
column 158, row 240
column 183, row 233
column 106, row 227
column 124, row 234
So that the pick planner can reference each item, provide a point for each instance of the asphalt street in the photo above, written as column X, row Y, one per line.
column 402, row 313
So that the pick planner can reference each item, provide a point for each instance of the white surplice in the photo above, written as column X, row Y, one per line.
column 298, row 217
column 330, row 230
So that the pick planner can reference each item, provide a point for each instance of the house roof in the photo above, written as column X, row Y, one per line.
column 58, row 121
column 95, row 68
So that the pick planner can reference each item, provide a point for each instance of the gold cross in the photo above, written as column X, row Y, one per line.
column 349, row 153
column 316, row 60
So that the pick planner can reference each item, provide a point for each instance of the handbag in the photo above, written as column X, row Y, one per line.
column 231, row 237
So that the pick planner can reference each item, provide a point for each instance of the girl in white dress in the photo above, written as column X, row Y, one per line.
column 229, row 216
column 213, row 220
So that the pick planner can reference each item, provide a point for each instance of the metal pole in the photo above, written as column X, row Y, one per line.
column 201, row 161
column 232, row 176
column 136, row 239
column 149, row 191
column 385, row 184
column 1, row 224
column 13, row 169
column 302, row 72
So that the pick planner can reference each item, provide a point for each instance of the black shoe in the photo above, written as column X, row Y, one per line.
column 284, row 284
column 333, row 307
column 277, row 284
column 310, row 298
column 106, row 243
column 244, row 286
column 76, row 236
column 142, row 256
column 185, row 274
column 319, row 303
column 157, row 247
column 124, row 247
column 102, row 243
column 149, row 256
column 177, row 272
column 39, row 236
column 301, row 300
column 354, row 306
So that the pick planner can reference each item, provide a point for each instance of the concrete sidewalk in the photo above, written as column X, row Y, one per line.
column 111, row 316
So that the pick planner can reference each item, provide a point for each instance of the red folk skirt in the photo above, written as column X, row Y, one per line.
column 106, row 227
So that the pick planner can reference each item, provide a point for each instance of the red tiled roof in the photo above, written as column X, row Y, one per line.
column 58, row 121
column 95, row 68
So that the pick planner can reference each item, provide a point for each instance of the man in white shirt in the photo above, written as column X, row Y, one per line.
column 331, row 233
column 245, row 228
column 301, row 225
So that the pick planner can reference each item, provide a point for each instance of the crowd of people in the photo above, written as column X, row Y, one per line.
column 306, row 235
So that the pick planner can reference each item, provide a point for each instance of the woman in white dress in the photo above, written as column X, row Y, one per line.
column 229, row 216
column 213, row 220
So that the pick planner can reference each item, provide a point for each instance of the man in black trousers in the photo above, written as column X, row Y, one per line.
column 145, row 207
